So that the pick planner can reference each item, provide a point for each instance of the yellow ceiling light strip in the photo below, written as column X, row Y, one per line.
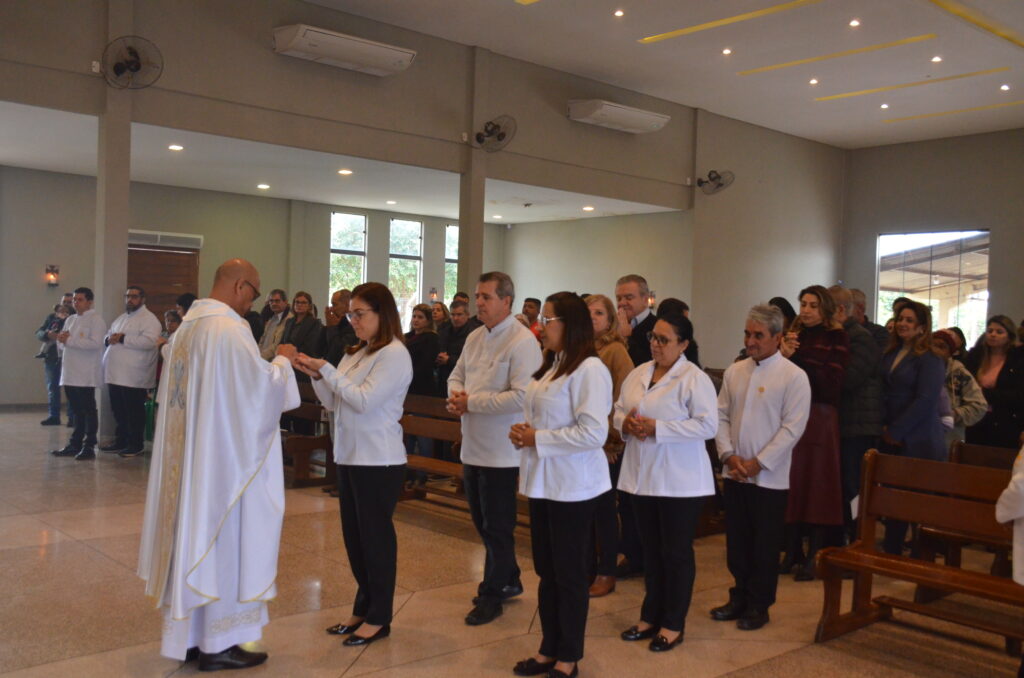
column 960, row 110
column 726, row 21
column 836, row 55
column 978, row 19
column 890, row 88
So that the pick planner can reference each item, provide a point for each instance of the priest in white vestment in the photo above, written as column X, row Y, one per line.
column 215, row 502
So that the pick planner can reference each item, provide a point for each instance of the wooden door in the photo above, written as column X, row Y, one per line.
column 164, row 273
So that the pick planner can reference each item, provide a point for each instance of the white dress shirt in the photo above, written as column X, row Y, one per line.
column 674, row 461
column 132, row 362
column 83, row 352
column 366, row 392
column 570, row 414
column 495, row 368
column 762, row 412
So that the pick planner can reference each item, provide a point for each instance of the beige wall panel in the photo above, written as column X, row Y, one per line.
column 55, row 34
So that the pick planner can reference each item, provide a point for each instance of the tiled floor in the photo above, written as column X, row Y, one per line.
column 71, row 605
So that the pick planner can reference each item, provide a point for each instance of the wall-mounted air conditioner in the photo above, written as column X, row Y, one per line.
column 616, row 116
column 344, row 51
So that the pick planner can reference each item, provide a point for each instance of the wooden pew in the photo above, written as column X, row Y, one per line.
column 301, row 448
column 427, row 416
column 953, row 497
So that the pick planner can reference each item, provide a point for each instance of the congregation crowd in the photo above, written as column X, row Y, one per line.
column 596, row 409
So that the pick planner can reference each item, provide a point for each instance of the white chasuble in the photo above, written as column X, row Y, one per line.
column 215, row 501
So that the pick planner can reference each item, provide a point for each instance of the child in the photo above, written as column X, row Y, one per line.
column 60, row 313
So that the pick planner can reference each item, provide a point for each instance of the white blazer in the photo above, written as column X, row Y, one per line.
column 674, row 462
column 571, row 417
column 366, row 392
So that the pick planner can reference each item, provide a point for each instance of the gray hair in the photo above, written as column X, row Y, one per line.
column 505, row 289
column 769, row 316
column 634, row 278
column 859, row 298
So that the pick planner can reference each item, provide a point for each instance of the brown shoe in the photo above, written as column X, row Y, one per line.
column 602, row 586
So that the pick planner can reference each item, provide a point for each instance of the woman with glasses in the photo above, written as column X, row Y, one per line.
column 366, row 392
column 666, row 410
column 563, row 471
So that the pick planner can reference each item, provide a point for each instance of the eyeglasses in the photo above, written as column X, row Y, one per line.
column 662, row 341
column 296, row 302
column 255, row 292
column 358, row 314
column 544, row 320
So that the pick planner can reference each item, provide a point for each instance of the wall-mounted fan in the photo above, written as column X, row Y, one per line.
column 131, row 62
column 716, row 181
column 497, row 133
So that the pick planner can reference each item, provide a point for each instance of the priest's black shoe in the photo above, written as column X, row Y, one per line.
column 661, row 644
column 753, row 619
column 532, row 667
column 112, row 447
column 192, row 654
column 728, row 612
column 484, row 612
column 232, row 658
column 343, row 629
column 65, row 452
column 353, row 640
column 86, row 454
column 634, row 633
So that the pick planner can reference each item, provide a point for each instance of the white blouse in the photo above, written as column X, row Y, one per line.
column 674, row 461
column 367, row 392
column 570, row 414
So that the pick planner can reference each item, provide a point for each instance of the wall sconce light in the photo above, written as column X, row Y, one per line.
column 433, row 294
column 652, row 298
column 52, row 275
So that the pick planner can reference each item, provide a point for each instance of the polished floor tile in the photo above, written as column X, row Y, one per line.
column 17, row 531
column 96, row 522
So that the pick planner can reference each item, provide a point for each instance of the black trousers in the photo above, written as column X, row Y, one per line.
column 491, row 493
column 129, row 406
column 630, row 545
column 667, row 526
column 755, row 522
column 560, row 536
column 83, row 409
column 368, row 495
column 851, row 456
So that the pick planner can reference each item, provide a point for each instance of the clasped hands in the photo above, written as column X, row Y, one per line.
column 302, row 362
column 457, row 403
column 522, row 435
column 638, row 426
column 740, row 469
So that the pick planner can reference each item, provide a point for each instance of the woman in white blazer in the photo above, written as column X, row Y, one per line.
column 666, row 409
column 563, row 471
column 366, row 392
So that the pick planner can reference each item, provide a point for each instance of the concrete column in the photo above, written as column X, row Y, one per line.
column 473, row 181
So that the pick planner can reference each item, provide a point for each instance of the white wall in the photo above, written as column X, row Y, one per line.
column 773, row 232
column 958, row 184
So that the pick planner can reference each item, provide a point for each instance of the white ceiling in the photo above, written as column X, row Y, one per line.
column 57, row 141
column 583, row 37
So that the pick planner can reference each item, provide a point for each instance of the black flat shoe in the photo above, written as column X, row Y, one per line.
column 232, row 658
column 532, row 667
column 634, row 633
column 728, row 612
column 354, row 640
column 660, row 644
column 555, row 673
column 343, row 629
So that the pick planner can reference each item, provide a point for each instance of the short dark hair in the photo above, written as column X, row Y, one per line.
column 461, row 295
column 533, row 300
column 672, row 305
column 577, row 338
column 142, row 292
column 185, row 301
column 382, row 302
column 84, row 291
column 171, row 314
column 278, row 290
column 459, row 303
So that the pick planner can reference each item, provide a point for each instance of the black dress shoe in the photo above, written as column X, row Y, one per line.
column 484, row 612
column 85, row 455
column 728, row 612
column 511, row 590
column 354, row 640
column 753, row 619
column 555, row 673
column 532, row 667
column 65, row 452
column 232, row 658
column 343, row 629
column 192, row 654
column 660, row 644
column 114, row 447
column 634, row 633
column 50, row 421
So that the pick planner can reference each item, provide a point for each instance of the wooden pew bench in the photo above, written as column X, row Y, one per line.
column 300, row 449
column 952, row 497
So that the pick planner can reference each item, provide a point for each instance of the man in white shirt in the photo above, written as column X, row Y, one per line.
column 486, row 389
column 81, row 372
column 129, row 368
column 215, row 501
column 762, row 412
column 274, row 329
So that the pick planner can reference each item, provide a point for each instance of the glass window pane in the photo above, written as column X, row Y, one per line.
column 451, row 242
column 346, row 272
column 451, row 281
column 406, row 237
column 348, row 232
column 404, row 283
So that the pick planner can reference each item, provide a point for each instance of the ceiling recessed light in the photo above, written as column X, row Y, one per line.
column 726, row 51
column 263, row 187
column 588, row 208
column 813, row 81
column 495, row 216
column 345, row 172
column 936, row 59
column 392, row 202
column 854, row 23
column 619, row 12
column 176, row 147
column 884, row 106
column 1004, row 87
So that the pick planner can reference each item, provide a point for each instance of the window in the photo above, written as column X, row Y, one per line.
column 404, row 266
column 348, row 252
column 945, row 271
column 451, row 262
